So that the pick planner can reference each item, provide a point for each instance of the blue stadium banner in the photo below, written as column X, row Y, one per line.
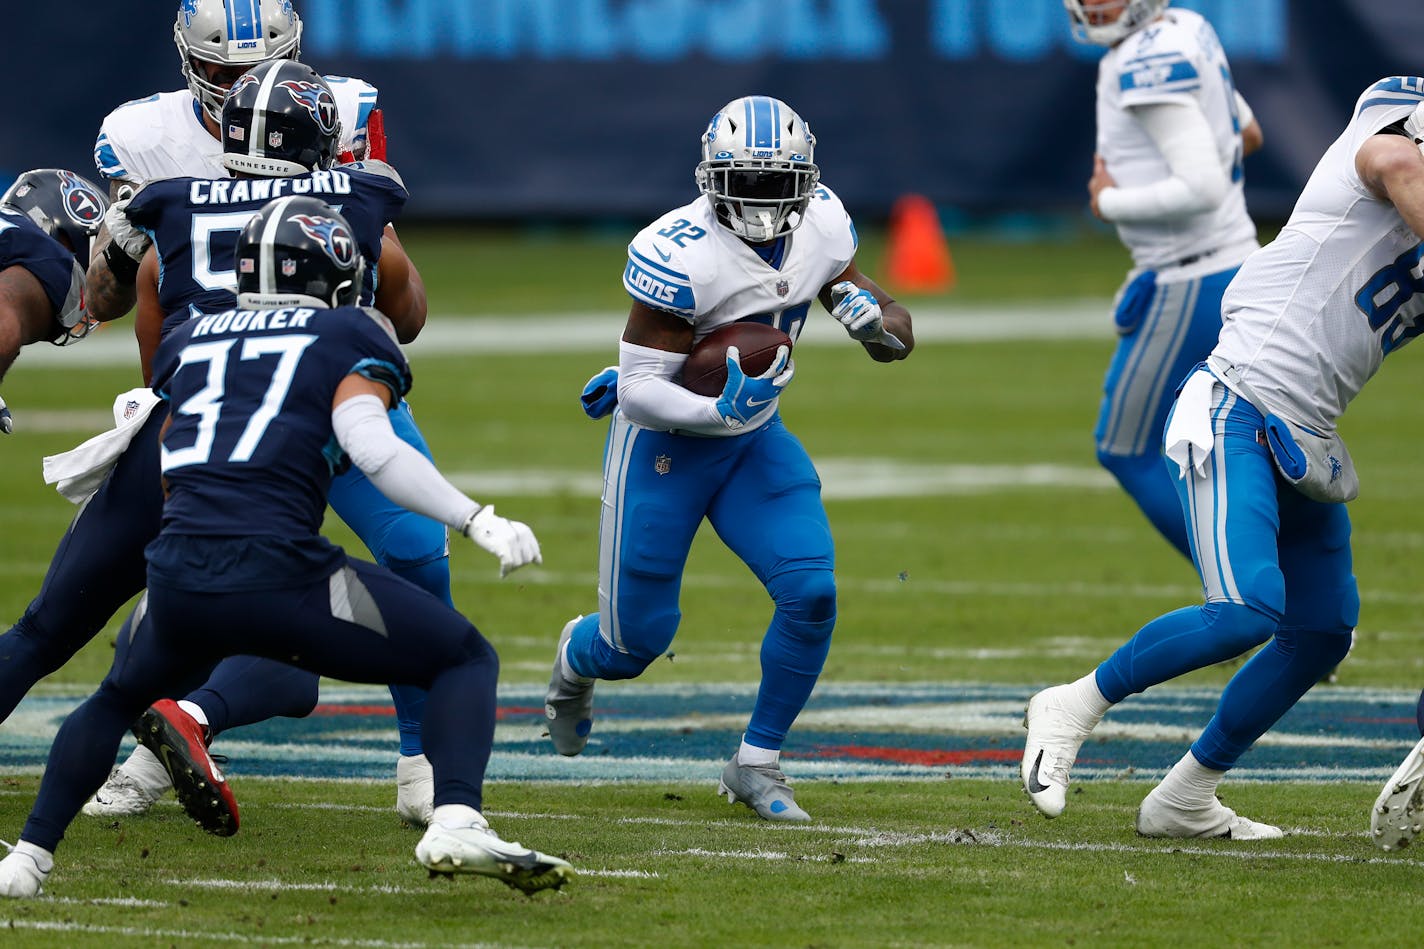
column 589, row 108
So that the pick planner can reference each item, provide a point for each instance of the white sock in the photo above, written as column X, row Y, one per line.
column 194, row 710
column 457, row 815
column 1190, row 784
column 757, row 757
column 42, row 857
column 1086, row 691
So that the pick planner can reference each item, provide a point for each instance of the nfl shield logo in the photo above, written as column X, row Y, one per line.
column 130, row 409
column 274, row 139
column 662, row 464
column 289, row 267
column 782, row 288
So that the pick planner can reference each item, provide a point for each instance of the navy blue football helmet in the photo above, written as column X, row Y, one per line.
column 298, row 251
column 66, row 206
column 280, row 120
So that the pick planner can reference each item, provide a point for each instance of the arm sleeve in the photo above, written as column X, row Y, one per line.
column 648, row 395
column 399, row 471
column 1198, row 181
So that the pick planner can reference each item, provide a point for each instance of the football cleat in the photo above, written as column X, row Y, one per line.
column 763, row 788
column 415, row 790
column 1398, row 814
column 180, row 744
column 132, row 788
column 1157, row 818
column 475, row 848
column 568, row 705
column 21, row 876
column 1055, row 733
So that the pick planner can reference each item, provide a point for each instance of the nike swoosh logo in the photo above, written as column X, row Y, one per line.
column 1034, row 786
column 753, row 403
column 667, row 258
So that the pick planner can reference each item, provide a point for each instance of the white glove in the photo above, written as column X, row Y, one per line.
column 858, row 311
column 511, row 541
column 130, row 239
column 7, row 424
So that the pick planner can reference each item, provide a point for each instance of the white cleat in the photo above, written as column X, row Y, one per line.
column 132, row 788
column 1157, row 818
column 1055, row 733
column 1398, row 814
column 475, row 848
column 415, row 790
column 21, row 877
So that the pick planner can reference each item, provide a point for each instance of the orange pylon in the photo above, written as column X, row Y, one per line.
column 917, row 258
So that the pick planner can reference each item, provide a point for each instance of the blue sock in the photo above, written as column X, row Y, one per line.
column 1178, row 642
column 433, row 576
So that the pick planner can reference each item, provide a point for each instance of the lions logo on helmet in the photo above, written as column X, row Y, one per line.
column 335, row 238
column 187, row 11
column 316, row 99
column 82, row 202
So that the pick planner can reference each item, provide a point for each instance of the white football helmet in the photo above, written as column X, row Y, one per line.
column 1135, row 15
column 240, row 33
column 757, row 167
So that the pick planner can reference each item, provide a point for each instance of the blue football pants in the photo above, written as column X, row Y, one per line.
column 1166, row 329
column 371, row 626
column 761, row 494
column 1276, row 569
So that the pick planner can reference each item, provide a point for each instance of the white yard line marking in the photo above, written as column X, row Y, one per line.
column 199, row 937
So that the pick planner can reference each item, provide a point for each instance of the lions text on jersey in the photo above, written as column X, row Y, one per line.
column 194, row 223
column 688, row 264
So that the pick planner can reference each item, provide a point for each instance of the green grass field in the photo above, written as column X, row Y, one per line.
column 1020, row 584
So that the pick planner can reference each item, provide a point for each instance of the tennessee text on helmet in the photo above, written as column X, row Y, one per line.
column 280, row 120
column 298, row 251
column 757, row 167
column 1090, row 24
column 232, row 33
column 69, row 208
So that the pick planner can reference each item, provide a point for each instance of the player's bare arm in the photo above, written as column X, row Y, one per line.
column 108, row 296
column 25, row 314
column 896, row 316
column 1392, row 168
column 1252, row 138
column 657, row 330
column 400, row 291
column 148, row 318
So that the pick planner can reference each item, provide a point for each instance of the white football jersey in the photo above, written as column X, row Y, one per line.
column 1177, row 58
column 163, row 136
column 688, row 264
column 1310, row 316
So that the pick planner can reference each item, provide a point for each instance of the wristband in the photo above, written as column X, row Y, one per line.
column 121, row 265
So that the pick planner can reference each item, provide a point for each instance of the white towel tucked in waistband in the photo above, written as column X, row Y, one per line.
column 78, row 472
column 1191, row 424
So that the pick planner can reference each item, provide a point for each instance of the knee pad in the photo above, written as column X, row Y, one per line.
column 1243, row 627
column 806, row 601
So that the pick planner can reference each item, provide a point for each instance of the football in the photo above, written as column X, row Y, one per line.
column 705, row 371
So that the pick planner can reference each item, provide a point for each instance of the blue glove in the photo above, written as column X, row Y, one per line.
column 600, row 394
column 744, row 396
column 7, row 424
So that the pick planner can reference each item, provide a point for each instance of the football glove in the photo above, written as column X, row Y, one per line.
column 7, row 424
column 859, row 312
column 132, row 241
column 511, row 541
column 744, row 396
column 600, row 394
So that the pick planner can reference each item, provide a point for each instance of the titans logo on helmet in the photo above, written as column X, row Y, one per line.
column 315, row 99
column 334, row 238
column 81, row 203
column 242, row 83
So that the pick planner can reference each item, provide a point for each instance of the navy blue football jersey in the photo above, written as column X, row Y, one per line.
column 194, row 223
column 249, row 449
column 24, row 244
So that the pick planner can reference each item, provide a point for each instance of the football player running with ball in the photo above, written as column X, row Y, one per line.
column 763, row 242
